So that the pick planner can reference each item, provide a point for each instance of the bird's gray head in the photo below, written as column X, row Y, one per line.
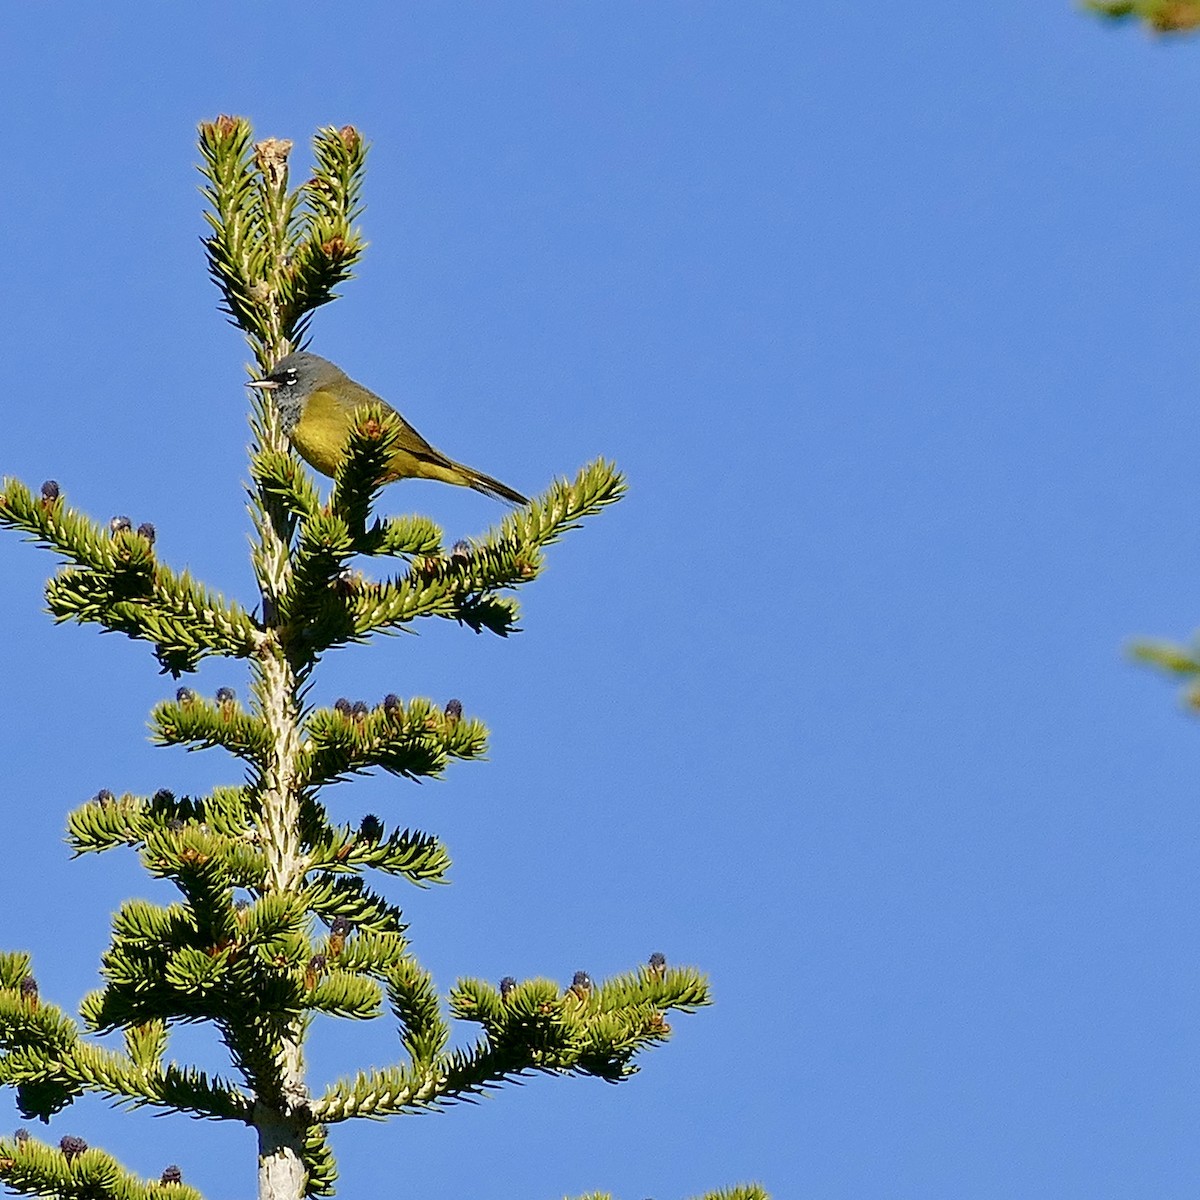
column 293, row 379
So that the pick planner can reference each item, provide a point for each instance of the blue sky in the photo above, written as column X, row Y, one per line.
column 888, row 313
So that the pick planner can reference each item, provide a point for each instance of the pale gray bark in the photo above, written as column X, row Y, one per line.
column 281, row 1172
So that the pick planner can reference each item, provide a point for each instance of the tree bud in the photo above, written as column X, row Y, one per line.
column 72, row 1147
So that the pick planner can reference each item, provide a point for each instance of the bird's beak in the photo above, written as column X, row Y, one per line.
column 267, row 385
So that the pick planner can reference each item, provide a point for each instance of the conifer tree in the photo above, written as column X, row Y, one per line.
column 1165, row 17
column 1162, row 16
column 277, row 920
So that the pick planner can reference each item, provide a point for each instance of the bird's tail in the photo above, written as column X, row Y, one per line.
column 491, row 487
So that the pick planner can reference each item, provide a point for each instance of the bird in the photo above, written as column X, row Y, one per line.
column 317, row 400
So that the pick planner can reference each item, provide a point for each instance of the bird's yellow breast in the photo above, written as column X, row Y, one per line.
column 321, row 432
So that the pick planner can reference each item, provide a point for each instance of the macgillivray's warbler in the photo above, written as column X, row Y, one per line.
column 317, row 401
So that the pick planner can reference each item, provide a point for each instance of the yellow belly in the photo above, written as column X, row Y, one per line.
column 320, row 434
column 320, row 439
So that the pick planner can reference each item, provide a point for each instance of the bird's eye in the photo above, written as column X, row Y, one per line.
column 289, row 377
